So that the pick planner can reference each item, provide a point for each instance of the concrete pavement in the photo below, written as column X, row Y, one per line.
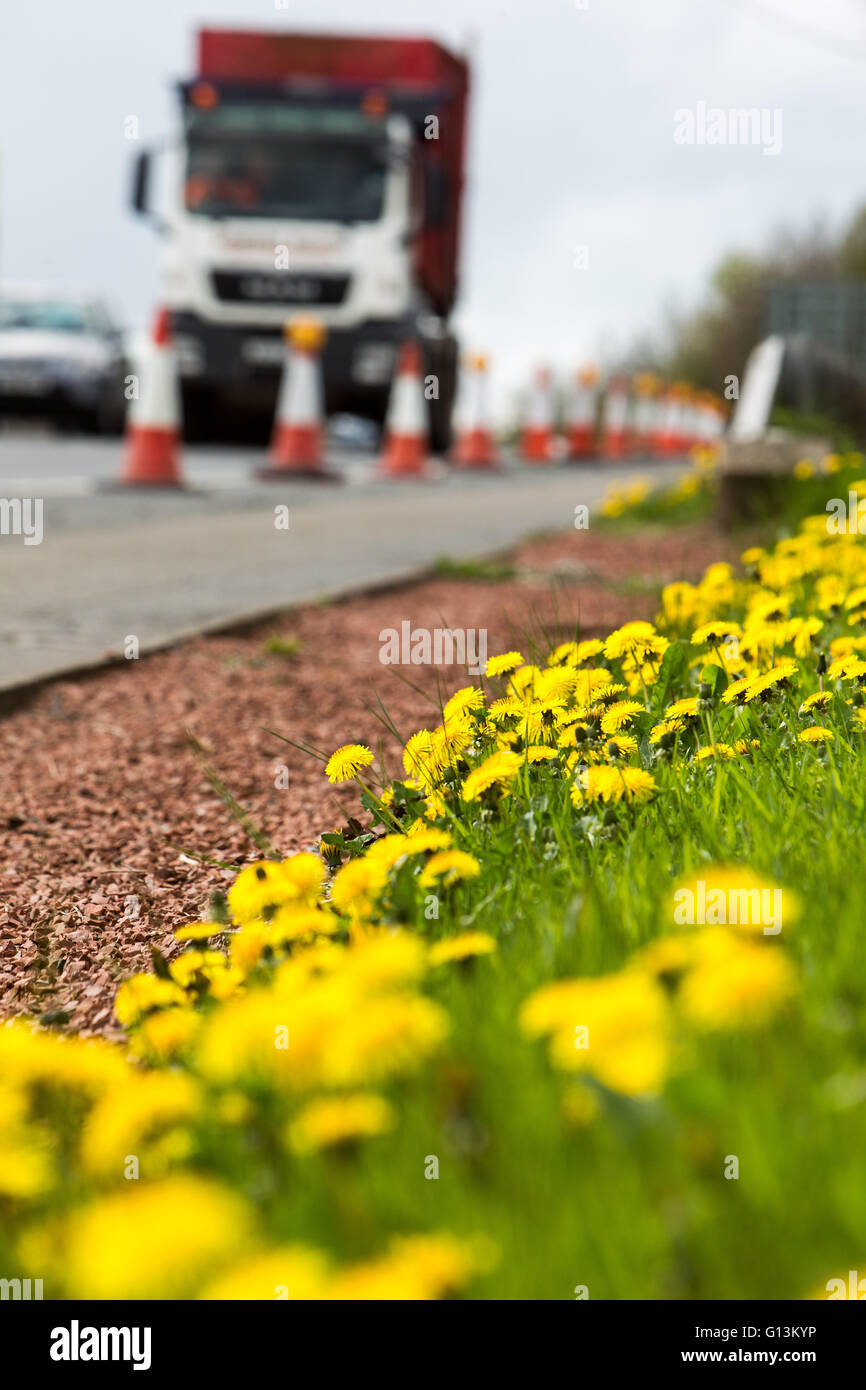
column 161, row 566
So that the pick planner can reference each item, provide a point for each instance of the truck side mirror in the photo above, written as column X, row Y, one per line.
column 140, row 181
column 141, row 190
column 436, row 190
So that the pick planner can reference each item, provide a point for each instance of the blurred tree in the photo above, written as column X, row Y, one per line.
column 708, row 344
column 852, row 252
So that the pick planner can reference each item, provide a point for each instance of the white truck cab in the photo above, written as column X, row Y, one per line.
column 282, row 199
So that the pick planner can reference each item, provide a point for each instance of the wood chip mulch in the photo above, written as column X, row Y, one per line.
column 101, row 794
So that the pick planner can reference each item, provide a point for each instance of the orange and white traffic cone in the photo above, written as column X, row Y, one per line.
column 298, row 439
column 581, row 417
column 407, row 432
column 714, row 420
column 153, row 431
column 645, row 413
column 474, row 446
column 614, row 420
column 536, row 440
column 671, row 435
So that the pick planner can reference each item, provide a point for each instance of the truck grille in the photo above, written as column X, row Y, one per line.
column 269, row 287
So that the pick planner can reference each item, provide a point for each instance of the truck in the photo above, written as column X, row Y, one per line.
column 313, row 174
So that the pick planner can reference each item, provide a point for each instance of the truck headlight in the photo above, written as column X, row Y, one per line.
column 373, row 363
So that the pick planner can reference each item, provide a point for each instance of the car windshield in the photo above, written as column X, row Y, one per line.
column 50, row 313
column 314, row 179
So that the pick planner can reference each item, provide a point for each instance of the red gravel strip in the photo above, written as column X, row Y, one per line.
column 101, row 789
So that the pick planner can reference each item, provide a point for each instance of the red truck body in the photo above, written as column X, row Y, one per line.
column 415, row 76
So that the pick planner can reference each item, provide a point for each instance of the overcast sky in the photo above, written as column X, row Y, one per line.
column 572, row 145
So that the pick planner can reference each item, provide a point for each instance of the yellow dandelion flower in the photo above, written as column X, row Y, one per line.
column 683, row 709
column 140, row 994
column 613, row 784
column 145, row 1116
column 736, row 689
column 745, row 746
column 388, row 850
column 293, row 1272
column 163, row 1036
column 737, row 987
column 357, row 886
column 462, row 947
column 503, row 665
column 620, row 713
column 566, row 654
column 820, row 700
column 296, row 922
column 815, row 734
column 720, row 751
column 733, row 895
column 628, row 639
column 621, row 746
column 615, row 1027
column 462, row 703
column 539, row 753
column 421, row 838
column 261, row 888
column 449, row 865
column 666, row 726
column 155, row 1240
column 770, row 680
column 198, row 931
column 333, row 1122
column 497, row 770
column 715, row 632
column 346, row 762
column 415, row 1268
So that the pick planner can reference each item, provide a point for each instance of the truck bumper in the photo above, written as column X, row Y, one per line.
column 244, row 362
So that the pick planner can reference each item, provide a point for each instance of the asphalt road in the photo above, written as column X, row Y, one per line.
column 159, row 566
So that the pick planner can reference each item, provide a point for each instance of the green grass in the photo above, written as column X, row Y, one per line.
column 288, row 647
column 632, row 1201
column 491, row 570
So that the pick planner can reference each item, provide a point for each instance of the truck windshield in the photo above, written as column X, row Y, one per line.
column 314, row 179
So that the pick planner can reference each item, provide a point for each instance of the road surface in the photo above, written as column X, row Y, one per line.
column 160, row 566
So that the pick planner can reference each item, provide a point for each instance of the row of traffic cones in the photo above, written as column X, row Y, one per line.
column 629, row 417
column 297, row 449
column 297, row 446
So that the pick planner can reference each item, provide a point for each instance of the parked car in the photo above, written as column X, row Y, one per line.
column 61, row 358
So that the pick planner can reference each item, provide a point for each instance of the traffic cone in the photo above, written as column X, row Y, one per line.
column 581, row 417
column 536, row 441
column 152, row 456
column 671, row 436
column 615, row 418
column 298, row 439
column 645, row 414
column 407, row 432
column 474, row 446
